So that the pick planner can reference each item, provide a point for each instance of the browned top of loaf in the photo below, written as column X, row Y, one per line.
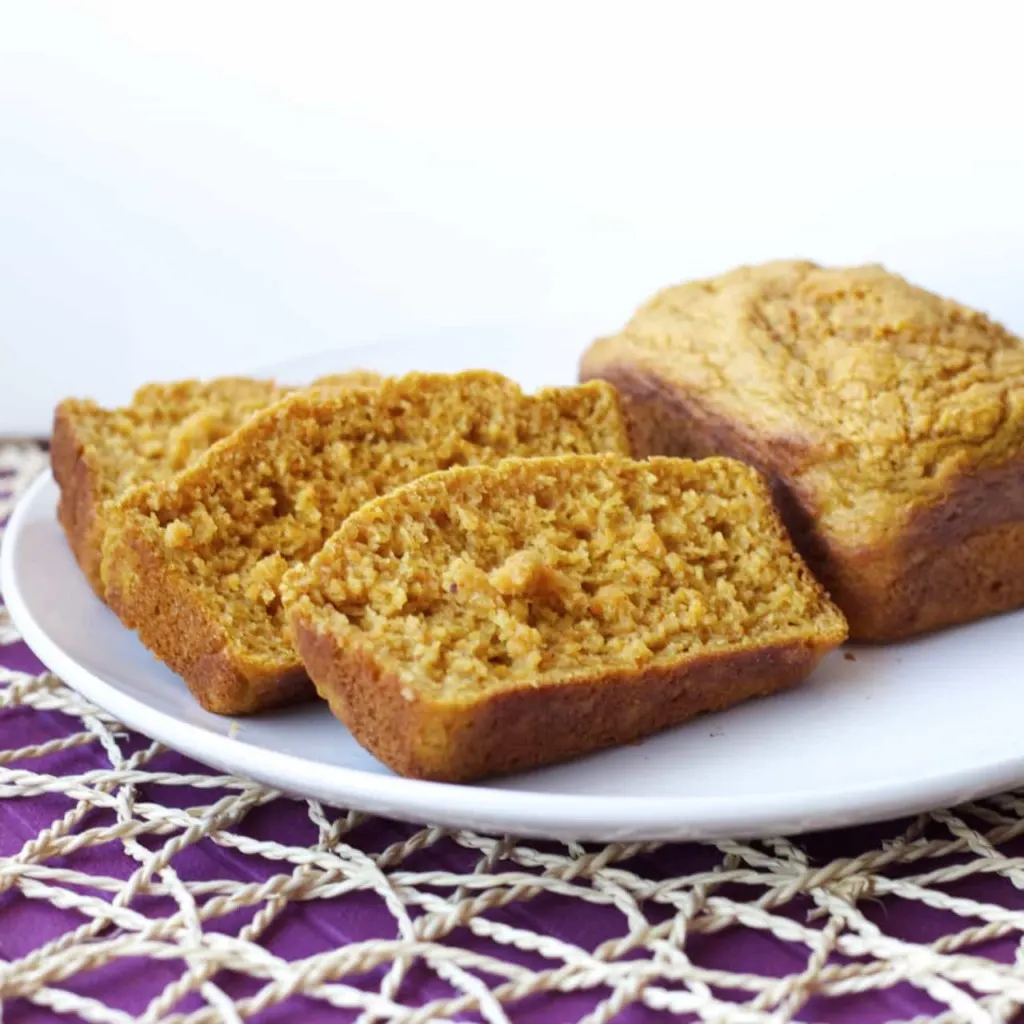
column 531, row 571
column 883, row 391
column 271, row 494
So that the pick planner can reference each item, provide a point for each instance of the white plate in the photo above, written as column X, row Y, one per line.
column 898, row 730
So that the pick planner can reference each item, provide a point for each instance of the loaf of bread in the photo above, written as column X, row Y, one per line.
column 194, row 564
column 496, row 618
column 97, row 454
column 890, row 421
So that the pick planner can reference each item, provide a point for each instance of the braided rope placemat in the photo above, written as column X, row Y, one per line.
column 136, row 884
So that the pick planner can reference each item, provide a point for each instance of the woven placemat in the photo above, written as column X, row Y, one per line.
column 135, row 884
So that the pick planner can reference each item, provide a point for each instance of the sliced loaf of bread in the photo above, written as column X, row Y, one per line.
column 194, row 563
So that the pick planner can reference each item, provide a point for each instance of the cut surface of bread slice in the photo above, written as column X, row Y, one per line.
column 97, row 454
column 491, row 619
column 194, row 564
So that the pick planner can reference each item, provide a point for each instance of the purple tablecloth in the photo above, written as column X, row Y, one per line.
column 876, row 924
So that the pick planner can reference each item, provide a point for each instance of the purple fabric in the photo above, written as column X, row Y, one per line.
column 303, row 929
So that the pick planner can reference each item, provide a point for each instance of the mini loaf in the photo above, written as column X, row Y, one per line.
column 194, row 564
column 495, row 618
column 890, row 421
column 97, row 454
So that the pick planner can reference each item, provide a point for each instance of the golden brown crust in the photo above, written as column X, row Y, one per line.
column 78, row 509
column 955, row 560
column 514, row 730
column 917, row 586
column 888, row 383
column 147, row 595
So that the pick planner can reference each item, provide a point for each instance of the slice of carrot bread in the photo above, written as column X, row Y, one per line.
column 97, row 453
column 194, row 564
column 890, row 420
column 490, row 619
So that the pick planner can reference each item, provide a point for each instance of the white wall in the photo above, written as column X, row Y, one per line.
column 195, row 188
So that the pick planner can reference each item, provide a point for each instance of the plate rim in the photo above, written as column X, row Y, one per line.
column 524, row 812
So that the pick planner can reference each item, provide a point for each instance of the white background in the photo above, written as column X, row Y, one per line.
column 197, row 188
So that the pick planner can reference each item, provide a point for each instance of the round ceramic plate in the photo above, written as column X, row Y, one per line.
column 875, row 733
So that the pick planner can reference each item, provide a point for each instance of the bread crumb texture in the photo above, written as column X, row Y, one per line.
column 168, row 425
column 883, row 390
column 544, row 569
column 228, row 528
column 164, row 429
column 547, row 575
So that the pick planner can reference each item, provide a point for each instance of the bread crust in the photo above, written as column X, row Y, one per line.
column 148, row 596
column 528, row 727
column 955, row 561
column 78, row 509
